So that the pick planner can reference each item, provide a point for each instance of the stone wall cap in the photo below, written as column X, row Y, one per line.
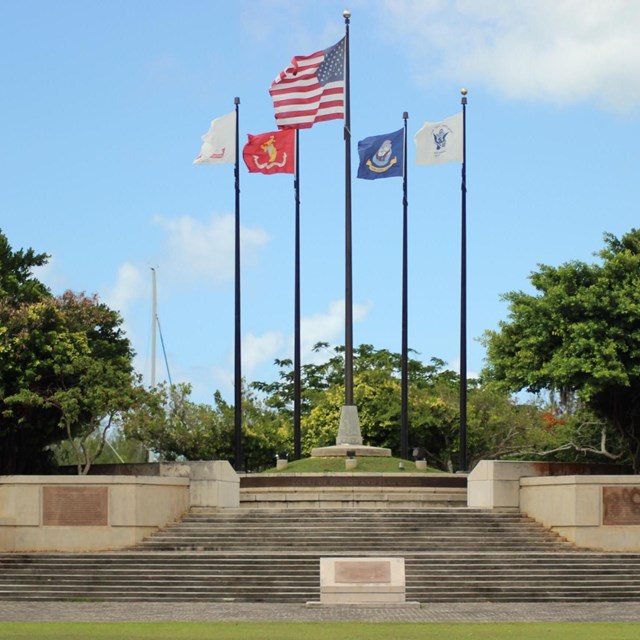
column 93, row 480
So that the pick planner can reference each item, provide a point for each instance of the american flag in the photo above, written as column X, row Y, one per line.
column 310, row 89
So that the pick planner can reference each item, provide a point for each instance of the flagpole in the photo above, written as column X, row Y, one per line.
column 349, row 430
column 463, row 292
column 348, row 296
column 238, row 454
column 404, row 412
column 297, row 449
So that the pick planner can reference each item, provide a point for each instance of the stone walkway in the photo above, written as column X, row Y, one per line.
column 251, row 612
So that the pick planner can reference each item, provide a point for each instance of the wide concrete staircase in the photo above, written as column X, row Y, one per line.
column 273, row 555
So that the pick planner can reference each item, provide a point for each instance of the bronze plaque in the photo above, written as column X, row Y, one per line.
column 75, row 506
column 621, row 505
column 363, row 571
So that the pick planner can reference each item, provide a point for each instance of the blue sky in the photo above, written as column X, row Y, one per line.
column 104, row 104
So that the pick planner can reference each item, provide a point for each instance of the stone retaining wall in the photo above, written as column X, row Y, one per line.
column 586, row 504
column 98, row 512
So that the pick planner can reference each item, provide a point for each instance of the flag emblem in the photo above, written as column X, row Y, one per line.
column 383, row 159
column 381, row 156
column 440, row 136
column 270, row 152
column 440, row 142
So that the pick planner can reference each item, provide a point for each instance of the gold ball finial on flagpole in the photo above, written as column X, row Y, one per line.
column 346, row 14
column 464, row 91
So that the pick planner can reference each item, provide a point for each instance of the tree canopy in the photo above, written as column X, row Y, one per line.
column 169, row 423
column 497, row 424
column 579, row 333
column 65, row 365
column 66, row 373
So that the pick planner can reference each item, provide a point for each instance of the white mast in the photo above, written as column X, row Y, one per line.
column 154, row 315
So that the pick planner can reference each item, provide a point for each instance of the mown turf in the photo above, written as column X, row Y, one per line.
column 365, row 465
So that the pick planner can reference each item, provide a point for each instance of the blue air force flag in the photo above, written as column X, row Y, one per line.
column 382, row 156
column 440, row 142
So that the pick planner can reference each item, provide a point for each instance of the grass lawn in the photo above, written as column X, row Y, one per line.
column 317, row 631
column 365, row 465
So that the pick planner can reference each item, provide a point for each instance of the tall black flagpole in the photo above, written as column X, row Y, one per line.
column 404, row 412
column 238, row 455
column 348, row 292
column 463, row 293
column 297, row 450
column 349, row 429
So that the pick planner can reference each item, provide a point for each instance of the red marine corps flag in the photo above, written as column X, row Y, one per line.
column 272, row 152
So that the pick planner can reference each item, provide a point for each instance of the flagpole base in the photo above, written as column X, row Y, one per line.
column 349, row 451
column 349, row 440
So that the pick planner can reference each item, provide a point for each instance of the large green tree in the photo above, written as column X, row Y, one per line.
column 579, row 333
column 22, row 445
column 65, row 367
column 376, row 394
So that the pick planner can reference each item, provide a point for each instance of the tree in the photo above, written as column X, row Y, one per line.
column 65, row 366
column 499, row 426
column 67, row 370
column 580, row 333
column 17, row 284
column 376, row 394
column 166, row 421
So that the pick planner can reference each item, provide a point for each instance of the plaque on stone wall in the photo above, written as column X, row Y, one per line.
column 75, row 506
column 363, row 571
column 621, row 505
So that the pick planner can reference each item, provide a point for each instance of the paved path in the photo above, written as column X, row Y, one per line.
column 205, row 612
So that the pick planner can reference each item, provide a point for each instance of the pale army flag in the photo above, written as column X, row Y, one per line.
column 440, row 142
column 219, row 143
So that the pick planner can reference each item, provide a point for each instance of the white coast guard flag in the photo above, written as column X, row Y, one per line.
column 440, row 142
column 219, row 142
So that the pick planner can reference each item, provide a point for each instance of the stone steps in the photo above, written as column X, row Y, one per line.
column 556, row 576
column 358, row 532
column 353, row 491
column 273, row 555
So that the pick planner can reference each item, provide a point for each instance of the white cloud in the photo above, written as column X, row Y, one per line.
column 223, row 380
column 48, row 275
column 557, row 51
column 129, row 286
column 454, row 365
column 326, row 327
column 204, row 251
column 259, row 349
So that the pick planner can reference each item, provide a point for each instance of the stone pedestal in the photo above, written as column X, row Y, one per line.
column 349, row 439
column 349, row 429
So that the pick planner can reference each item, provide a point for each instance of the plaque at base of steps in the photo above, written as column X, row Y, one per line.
column 362, row 581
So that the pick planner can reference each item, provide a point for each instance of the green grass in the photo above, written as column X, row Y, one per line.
column 365, row 465
column 317, row 631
